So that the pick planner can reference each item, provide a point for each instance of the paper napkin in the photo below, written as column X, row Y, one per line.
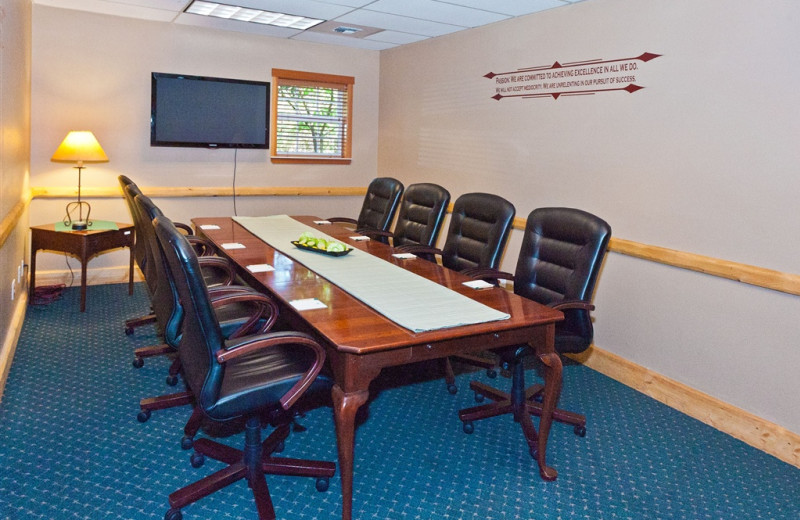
column 307, row 304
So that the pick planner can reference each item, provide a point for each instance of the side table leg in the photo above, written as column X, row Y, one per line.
column 84, row 261
column 32, row 282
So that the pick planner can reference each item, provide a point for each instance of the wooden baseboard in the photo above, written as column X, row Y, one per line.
column 755, row 431
column 96, row 276
column 9, row 344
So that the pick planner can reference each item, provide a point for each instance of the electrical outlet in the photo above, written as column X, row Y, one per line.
column 13, row 288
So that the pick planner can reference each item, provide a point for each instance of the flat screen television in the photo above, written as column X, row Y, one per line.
column 197, row 111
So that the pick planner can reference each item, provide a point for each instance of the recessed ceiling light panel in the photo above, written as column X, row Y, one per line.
column 346, row 30
column 246, row 14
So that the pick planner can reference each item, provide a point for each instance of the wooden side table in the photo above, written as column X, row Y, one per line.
column 82, row 244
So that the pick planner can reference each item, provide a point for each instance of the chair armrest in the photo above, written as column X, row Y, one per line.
column 251, row 344
column 219, row 291
column 418, row 249
column 263, row 307
column 344, row 220
column 218, row 264
column 184, row 227
column 375, row 232
column 486, row 273
column 573, row 304
column 202, row 246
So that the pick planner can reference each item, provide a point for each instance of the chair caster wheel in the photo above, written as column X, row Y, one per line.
column 172, row 380
column 539, row 398
column 187, row 443
column 468, row 427
column 143, row 416
column 492, row 373
column 128, row 331
column 197, row 460
column 137, row 362
column 173, row 514
column 579, row 430
column 322, row 484
column 479, row 397
column 452, row 388
column 280, row 447
column 534, row 453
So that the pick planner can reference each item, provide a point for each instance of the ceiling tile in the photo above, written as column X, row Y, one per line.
column 398, row 38
column 169, row 5
column 349, row 3
column 399, row 23
column 332, row 39
column 128, row 10
column 437, row 12
column 511, row 7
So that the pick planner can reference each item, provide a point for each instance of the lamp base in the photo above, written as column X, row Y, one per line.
column 82, row 222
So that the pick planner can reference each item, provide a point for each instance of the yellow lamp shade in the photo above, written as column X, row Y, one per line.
column 79, row 147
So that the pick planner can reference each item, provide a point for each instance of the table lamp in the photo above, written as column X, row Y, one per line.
column 79, row 147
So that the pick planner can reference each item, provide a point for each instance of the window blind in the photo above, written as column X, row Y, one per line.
column 311, row 116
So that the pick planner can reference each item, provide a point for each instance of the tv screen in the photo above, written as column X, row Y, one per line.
column 198, row 111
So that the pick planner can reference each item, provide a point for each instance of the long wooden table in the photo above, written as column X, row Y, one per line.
column 360, row 342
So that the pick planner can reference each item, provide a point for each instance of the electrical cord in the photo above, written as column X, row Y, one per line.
column 235, row 161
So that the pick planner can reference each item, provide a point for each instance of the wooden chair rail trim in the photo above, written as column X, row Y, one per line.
column 217, row 191
column 11, row 219
column 745, row 426
column 749, row 274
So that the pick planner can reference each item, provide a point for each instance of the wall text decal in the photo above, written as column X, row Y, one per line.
column 578, row 78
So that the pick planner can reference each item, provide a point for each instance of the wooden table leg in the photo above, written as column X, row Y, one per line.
column 552, row 391
column 84, row 261
column 345, row 407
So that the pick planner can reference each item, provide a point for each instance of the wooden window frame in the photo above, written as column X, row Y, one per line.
column 345, row 83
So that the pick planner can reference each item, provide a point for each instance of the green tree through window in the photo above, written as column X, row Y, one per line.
column 311, row 116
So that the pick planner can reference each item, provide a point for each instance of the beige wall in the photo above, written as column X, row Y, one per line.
column 15, row 66
column 704, row 159
column 92, row 72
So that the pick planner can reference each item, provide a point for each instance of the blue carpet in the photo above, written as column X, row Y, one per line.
column 71, row 447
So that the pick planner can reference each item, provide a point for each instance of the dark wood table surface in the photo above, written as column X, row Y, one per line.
column 83, row 244
column 360, row 342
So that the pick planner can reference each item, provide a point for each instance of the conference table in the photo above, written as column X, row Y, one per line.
column 360, row 341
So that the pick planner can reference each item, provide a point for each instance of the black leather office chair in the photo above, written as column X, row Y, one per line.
column 420, row 216
column 239, row 309
column 216, row 271
column 141, row 253
column 380, row 204
column 559, row 261
column 257, row 378
column 476, row 238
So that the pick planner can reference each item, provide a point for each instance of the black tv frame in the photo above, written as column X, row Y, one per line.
column 204, row 143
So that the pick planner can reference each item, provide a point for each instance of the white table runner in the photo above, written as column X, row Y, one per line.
column 407, row 299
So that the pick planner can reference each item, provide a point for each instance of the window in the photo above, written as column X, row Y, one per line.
column 311, row 117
